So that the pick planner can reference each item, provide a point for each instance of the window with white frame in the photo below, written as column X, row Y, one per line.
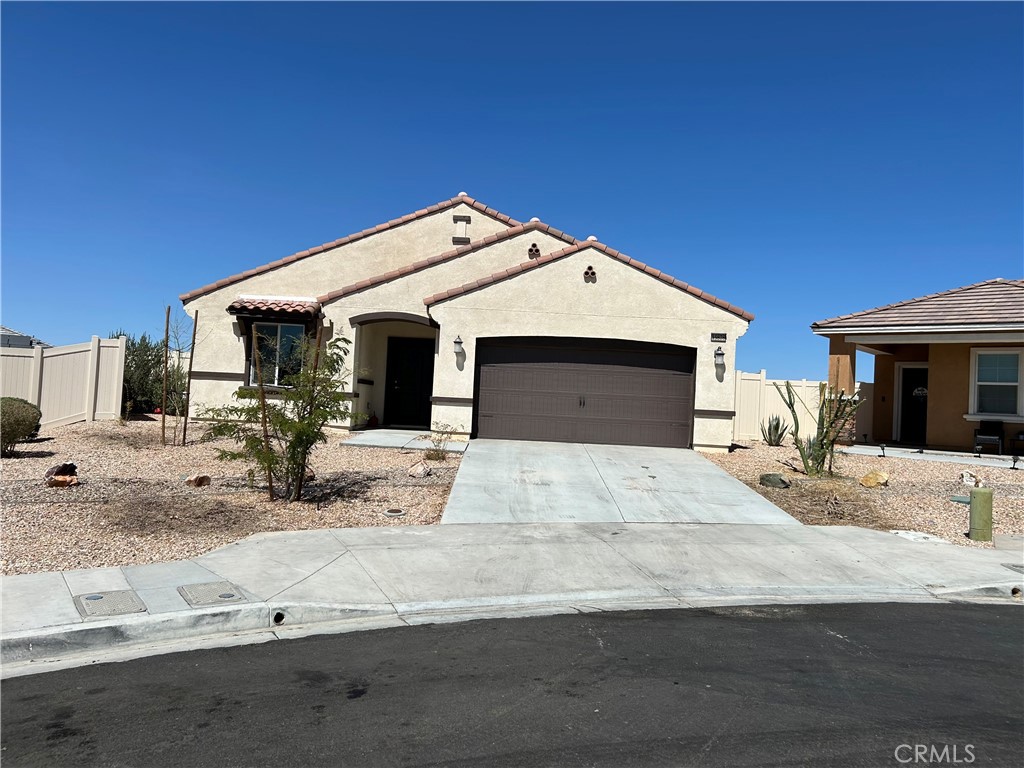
column 996, row 376
column 279, row 347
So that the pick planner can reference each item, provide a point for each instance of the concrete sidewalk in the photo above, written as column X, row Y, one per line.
column 296, row 583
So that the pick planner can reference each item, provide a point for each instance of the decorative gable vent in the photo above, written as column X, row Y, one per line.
column 461, row 230
column 534, row 251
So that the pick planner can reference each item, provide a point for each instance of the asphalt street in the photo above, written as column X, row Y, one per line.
column 850, row 685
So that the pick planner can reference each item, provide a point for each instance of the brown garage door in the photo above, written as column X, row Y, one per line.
column 585, row 391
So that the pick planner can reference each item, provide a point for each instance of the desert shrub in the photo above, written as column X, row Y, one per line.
column 440, row 437
column 775, row 431
column 19, row 420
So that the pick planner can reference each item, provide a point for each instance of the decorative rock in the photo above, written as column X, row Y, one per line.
column 64, row 470
column 774, row 480
column 874, row 479
column 61, row 481
column 419, row 469
column 968, row 478
column 198, row 481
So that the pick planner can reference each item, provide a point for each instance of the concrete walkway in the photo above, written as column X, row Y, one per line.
column 948, row 457
column 509, row 481
column 410, row 439
column 279, row 585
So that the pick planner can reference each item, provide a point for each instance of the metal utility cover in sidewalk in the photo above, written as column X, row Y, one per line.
column 100, row 604
column 211, row 593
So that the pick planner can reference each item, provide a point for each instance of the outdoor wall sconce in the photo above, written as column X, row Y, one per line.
column 719, row 358
column 458, row 345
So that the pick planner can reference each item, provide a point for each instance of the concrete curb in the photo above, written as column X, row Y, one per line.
column 124, row 638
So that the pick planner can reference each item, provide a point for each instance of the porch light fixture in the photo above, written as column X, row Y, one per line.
column 719, row 358
column 458, row 345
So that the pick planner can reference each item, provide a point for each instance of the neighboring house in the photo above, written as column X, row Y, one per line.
column 461, row 315
column 12, row 338
column 946, row 365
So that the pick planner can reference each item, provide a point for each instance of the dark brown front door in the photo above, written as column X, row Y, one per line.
column 913, row 406
column 586, row 391
column 408, row 382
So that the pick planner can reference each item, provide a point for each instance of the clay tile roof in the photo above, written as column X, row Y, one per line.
column 455, row 253
column 997, row 302
column 444, row 205
column 576, row 247
column 273, row 305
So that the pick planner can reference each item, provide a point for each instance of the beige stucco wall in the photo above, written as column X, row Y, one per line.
column 624, row 303
column 406, row 294
column 219, row 345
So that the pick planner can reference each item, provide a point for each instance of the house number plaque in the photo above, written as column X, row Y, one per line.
column 718, row 337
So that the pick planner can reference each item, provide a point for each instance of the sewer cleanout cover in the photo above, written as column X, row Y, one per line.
column 211, row 593
column 118, row 603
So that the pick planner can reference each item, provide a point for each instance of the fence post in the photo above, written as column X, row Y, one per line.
column 762, row 394
column 37, row 377
column 122, row 353
column 92, row 379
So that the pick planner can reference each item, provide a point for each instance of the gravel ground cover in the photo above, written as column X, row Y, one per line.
column 916, row 499
column 133, row 505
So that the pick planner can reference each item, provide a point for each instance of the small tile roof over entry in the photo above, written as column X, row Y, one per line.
column 995, row 303
column 273, row 305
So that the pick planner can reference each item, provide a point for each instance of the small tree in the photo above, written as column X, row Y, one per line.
column 835, row 412
column 279, row 435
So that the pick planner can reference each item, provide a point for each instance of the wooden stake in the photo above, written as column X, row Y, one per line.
column 167, row 345
column 188, row 380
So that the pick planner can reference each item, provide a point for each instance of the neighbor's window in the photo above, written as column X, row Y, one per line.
column 997, row 380
column 280, row 351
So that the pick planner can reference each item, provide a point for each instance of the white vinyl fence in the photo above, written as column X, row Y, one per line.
column 757, row 400
column 79, row 382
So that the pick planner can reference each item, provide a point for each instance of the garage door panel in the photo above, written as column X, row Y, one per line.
column 617, row 393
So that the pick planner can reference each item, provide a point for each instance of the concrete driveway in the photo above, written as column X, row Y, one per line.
column 509, row 481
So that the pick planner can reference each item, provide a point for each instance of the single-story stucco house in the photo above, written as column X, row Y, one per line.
column 461, row 315
column 949, row 367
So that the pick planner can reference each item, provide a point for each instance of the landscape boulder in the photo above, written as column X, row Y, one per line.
column 198, row 480
column 62, row 469
column 774, row 480
column 419, row 469
column 61, row 476
column 874, row 479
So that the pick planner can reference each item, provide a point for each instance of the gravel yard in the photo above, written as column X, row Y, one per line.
column 133, row 505
column 916, row 499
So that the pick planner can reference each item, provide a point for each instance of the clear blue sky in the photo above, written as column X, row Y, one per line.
column 799, row 160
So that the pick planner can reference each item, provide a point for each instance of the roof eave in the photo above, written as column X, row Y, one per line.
column 862, row 330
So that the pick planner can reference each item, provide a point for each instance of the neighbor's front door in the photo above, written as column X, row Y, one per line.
column 914, row 406
column 408, row 382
